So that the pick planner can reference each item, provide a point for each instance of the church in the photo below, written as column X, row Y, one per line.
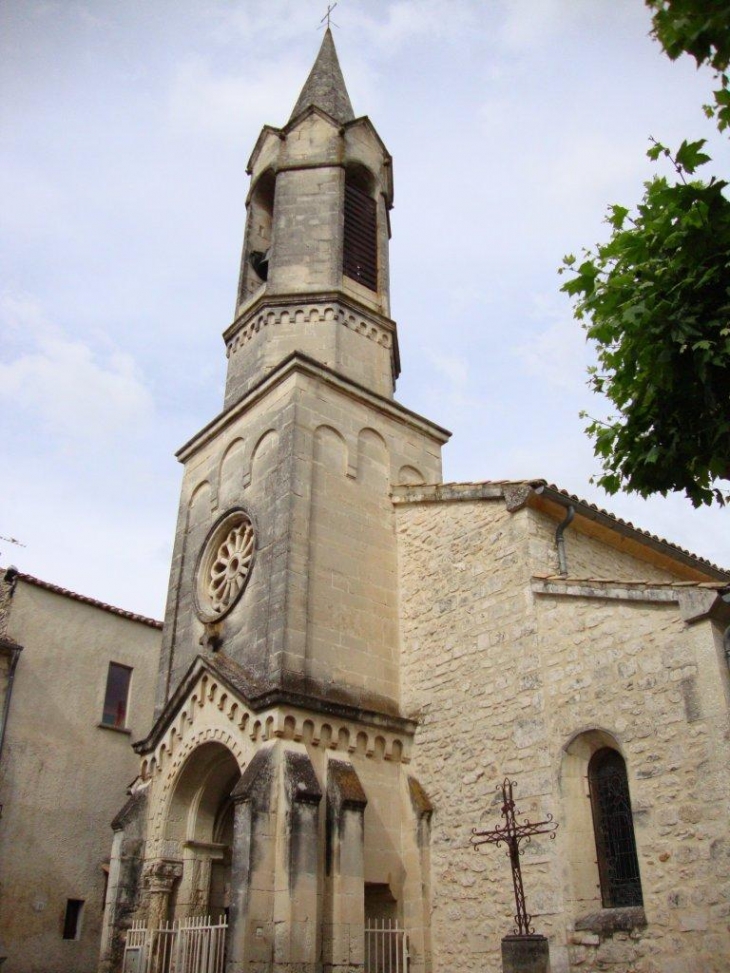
column 355, row 655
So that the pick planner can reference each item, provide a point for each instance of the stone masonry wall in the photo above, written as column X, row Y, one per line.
column 503, row 679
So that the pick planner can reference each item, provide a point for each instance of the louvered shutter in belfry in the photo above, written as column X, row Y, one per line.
column 360, row 259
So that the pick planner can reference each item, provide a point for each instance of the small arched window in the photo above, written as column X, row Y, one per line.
column 360, row 245
column 613, row 825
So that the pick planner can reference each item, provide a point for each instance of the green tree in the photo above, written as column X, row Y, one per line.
column 700, row 28
column 655, row 299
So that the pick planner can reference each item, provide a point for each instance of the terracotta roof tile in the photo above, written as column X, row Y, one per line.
column 627, row 523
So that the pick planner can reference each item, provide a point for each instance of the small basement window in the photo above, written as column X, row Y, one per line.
column 117, row 696
column 72, row 920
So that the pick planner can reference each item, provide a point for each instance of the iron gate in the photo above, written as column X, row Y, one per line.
column 386, row 947
column 196, row 945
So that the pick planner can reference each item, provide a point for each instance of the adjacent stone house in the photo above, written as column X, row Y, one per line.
column 356, row 654
column 76, row 685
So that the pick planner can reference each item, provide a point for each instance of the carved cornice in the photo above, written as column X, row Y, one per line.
column 310, row 310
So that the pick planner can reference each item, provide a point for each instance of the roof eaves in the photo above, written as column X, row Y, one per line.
column 86, row 600
column 590, row 511
column 266, row 130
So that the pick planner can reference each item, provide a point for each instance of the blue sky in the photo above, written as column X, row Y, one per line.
column 126, row 127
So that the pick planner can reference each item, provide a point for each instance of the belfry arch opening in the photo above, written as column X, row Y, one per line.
column 360, row 240
column 199, row 831
column 259, row 234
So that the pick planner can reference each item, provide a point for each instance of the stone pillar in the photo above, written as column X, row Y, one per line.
column 525, row 954
column 417, row 887
column 344, row 937
column 160, row 878
column 250, row 925
column 298, row 906
column 125, row 879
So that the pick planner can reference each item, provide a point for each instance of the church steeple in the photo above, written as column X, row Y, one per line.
column 314, row 271
column 325, row 87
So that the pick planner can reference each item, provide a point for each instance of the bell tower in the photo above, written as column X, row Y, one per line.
column 277, row 764
column 314, row 270
column 285, row 553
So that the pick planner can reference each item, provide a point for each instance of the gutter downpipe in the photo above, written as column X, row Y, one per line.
column 726, row 633
column 560, row 540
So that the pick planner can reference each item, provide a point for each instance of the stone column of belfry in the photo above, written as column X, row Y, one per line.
column 250, row 932
column 297, row 910
column 275, row 877
column 417, row 886
column 344, row 922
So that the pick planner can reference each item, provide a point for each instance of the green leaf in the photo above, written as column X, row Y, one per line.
column 656, row 150
column 690, row 155
column 618, row 216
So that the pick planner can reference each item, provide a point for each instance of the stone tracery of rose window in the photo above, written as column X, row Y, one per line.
column 230, row 566
column 225, row 565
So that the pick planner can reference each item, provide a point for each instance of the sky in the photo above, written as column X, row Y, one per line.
column 126, row 128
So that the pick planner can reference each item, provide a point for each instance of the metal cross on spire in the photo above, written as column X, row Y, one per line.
column 512, row 834
column 327, row 16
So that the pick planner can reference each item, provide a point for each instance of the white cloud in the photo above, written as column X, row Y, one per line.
column 453, row 368
column 531, row 23
column 452, row 387
column 406, row 19
column 379, row 24
column 75, row 391
column 557, row 354
column 592, row 166
column 202, row 100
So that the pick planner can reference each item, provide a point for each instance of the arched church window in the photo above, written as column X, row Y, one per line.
column 613, row 825
column 360, row 245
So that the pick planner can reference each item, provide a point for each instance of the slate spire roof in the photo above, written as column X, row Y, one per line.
column 325, row 86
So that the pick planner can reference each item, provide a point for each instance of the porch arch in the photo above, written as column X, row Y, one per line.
column 199, row 824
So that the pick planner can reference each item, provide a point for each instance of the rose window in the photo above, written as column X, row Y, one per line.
column 225, row 565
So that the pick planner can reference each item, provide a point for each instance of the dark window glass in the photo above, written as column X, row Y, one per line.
column 360, row 254
column 117, row 693
column 72, row 920
column 613, row 824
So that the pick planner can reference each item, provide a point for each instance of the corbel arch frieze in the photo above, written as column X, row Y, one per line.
column 213, row 711
column 298, row 315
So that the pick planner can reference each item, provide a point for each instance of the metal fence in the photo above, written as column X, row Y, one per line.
column 195, row 945
column 386, row 947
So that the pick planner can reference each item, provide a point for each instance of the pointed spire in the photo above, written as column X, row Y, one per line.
column 325, row 86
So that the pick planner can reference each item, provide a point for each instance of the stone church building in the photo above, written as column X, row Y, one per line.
column 356, row 654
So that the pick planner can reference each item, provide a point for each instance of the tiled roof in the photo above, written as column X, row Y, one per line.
column 500, row 489
column 627, row 523
column 58, row 590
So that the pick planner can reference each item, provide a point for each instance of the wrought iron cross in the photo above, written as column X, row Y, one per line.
column 512, row 833
column 330, row 8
